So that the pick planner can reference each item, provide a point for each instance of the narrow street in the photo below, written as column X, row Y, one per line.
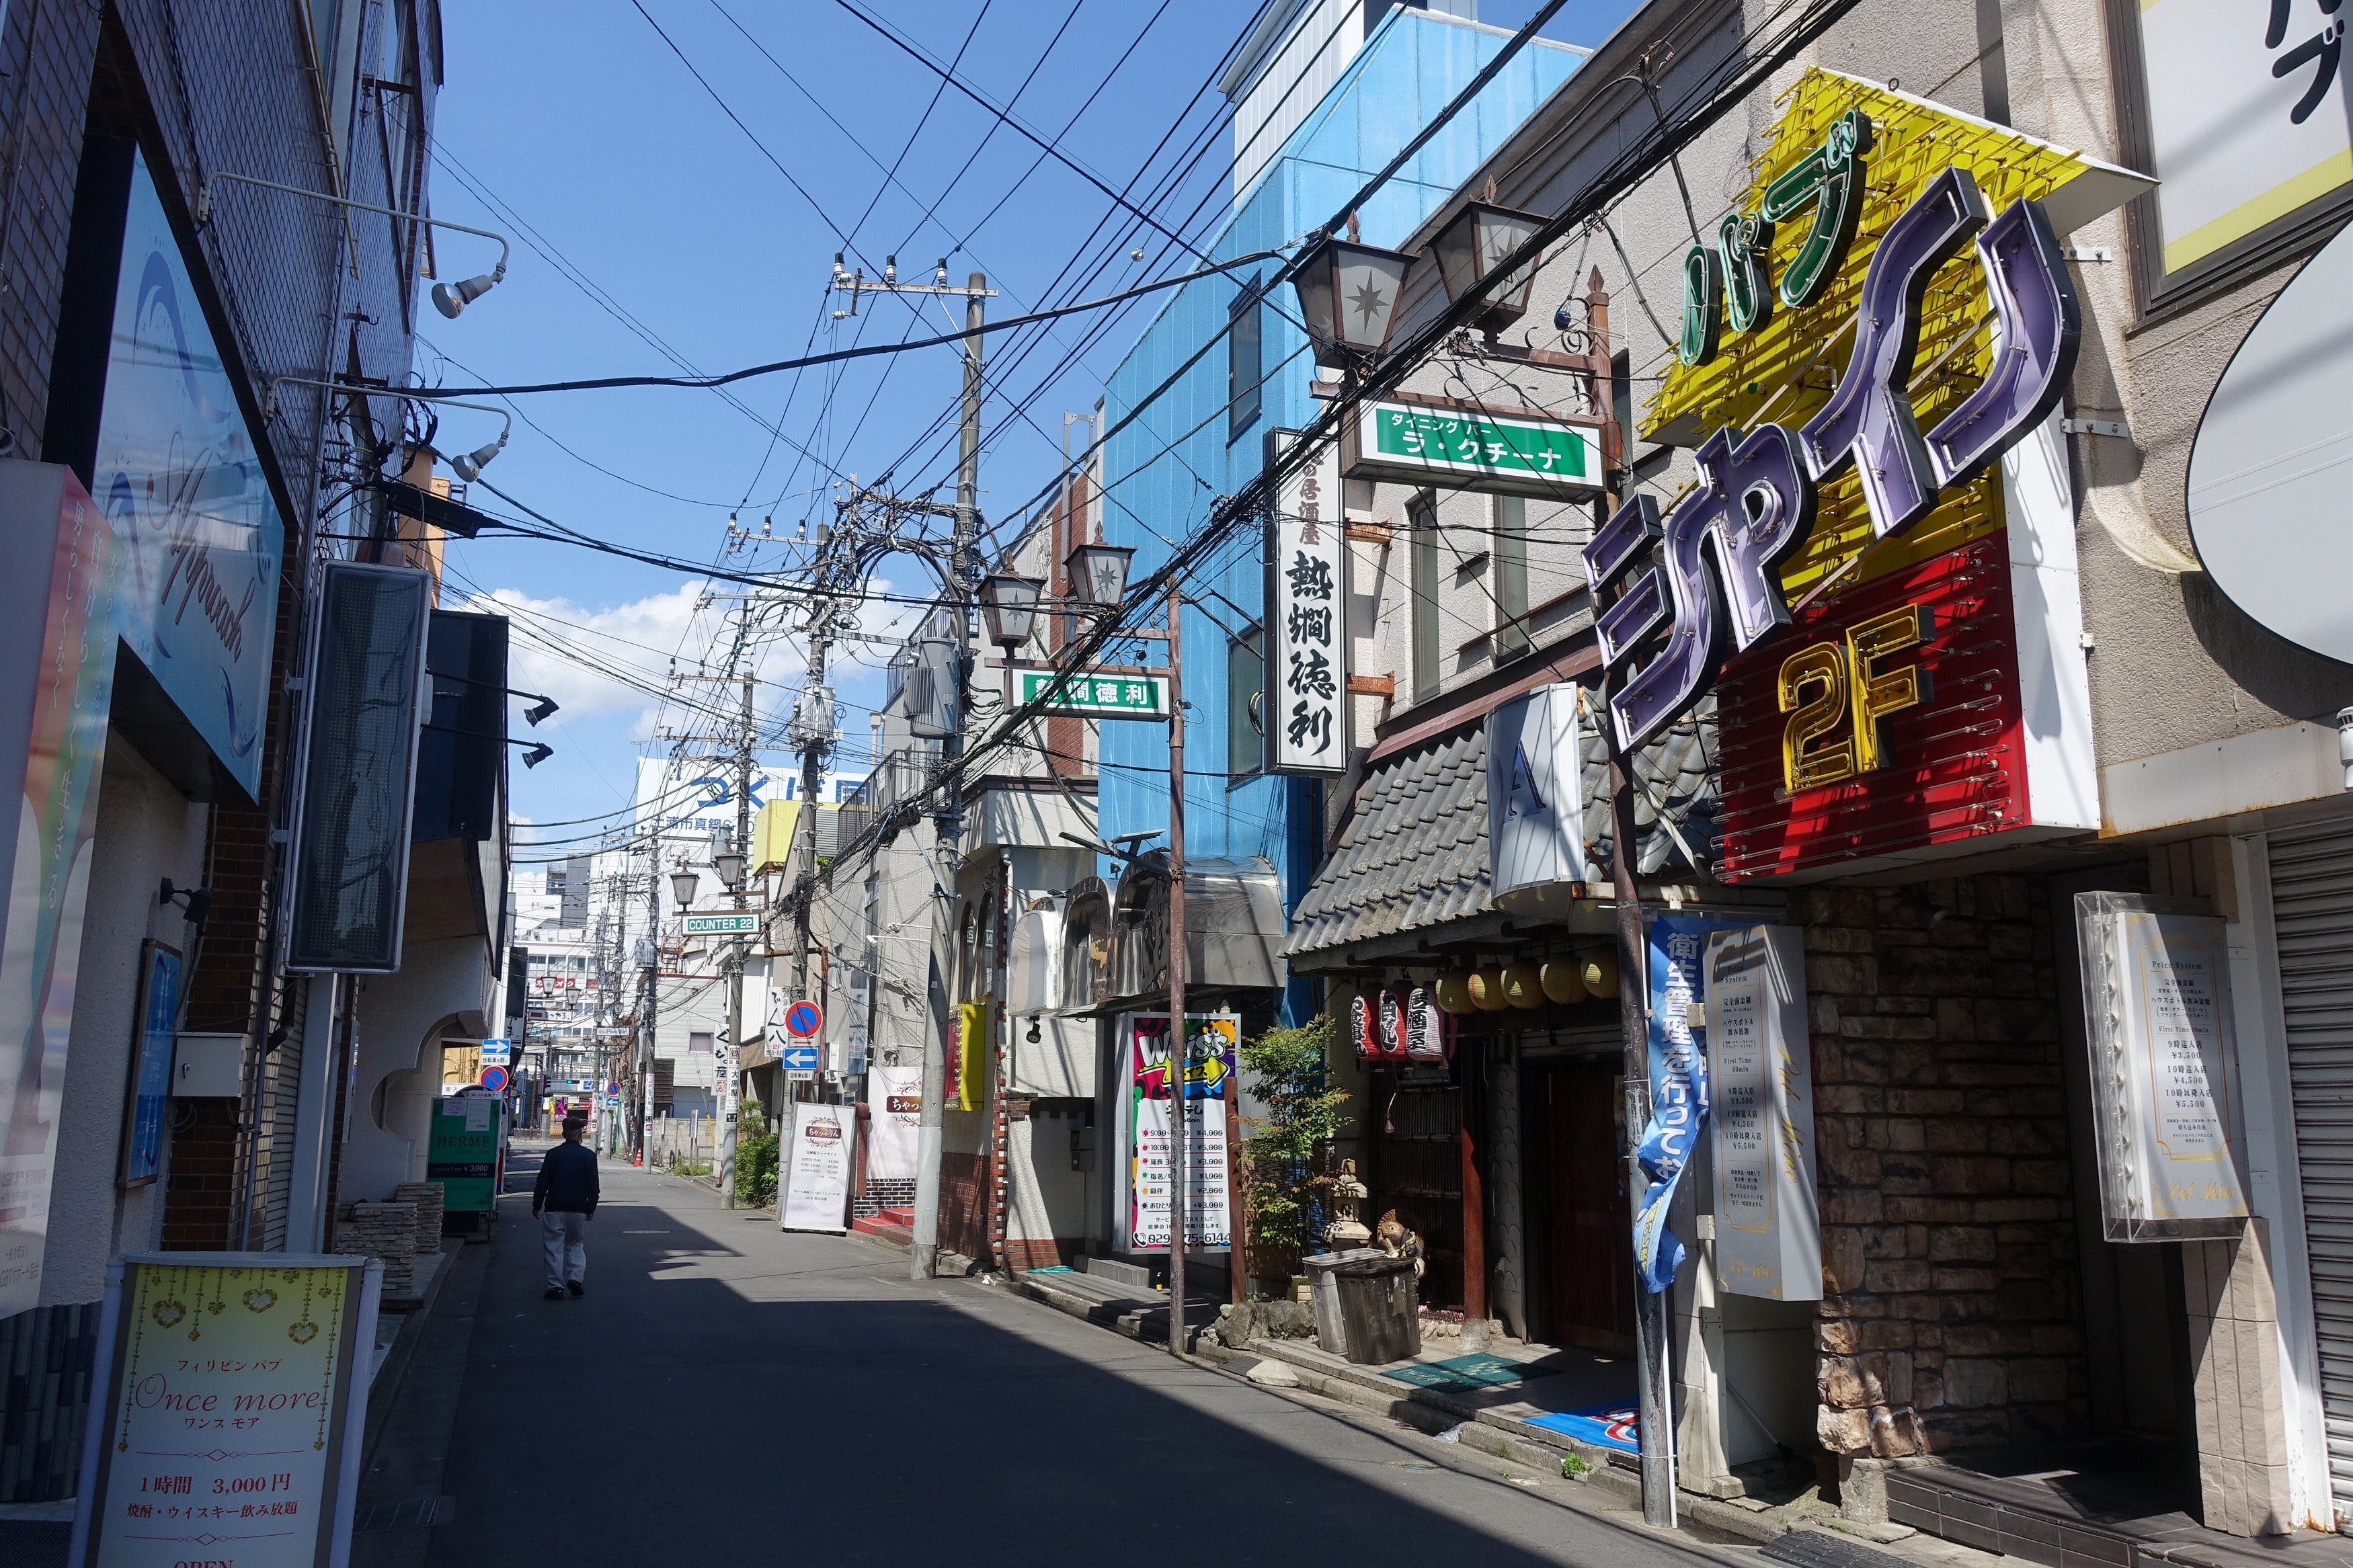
column 724, row 1393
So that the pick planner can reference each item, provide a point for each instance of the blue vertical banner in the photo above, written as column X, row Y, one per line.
column 1678, row 946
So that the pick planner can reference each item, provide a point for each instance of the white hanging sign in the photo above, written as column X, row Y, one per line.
column 2157, row 1006
column 1768, row 1225
column 1536, row 802
column 1306, row 710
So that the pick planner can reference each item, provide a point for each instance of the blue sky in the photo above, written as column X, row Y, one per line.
column 654, row 232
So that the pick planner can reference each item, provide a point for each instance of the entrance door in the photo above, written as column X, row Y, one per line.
column 1576, row 1204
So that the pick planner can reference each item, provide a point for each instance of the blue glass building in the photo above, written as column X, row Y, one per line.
column 1163, row 473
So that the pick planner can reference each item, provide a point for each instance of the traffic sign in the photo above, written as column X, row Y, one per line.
column 799, row 1058
column 498, row 1051
column 495, row 1077
column 802, row 1019
column 742, row 922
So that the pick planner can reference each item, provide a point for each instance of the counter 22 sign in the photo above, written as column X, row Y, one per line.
column 1885, row 534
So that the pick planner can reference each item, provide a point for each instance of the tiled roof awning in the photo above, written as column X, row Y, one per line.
column 1414, row 856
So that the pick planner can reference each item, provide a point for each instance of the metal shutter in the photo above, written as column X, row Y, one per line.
column 2312, row 910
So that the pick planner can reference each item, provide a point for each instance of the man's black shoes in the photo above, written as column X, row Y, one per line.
column 553, row 1294
column 577, row 1288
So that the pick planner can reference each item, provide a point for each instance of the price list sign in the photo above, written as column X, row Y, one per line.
column 225, row 1419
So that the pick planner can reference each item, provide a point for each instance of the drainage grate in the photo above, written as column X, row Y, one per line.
column 409, row 1513
column 1820, row 1549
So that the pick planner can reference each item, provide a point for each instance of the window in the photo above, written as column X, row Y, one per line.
column 699, row 1044
column 1245, row 365
column 1421, row 525
column 2241, row 113
column 1510, row 575
column 1246, row 703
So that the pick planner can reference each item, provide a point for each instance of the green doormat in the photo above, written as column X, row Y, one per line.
column 1466, row 1372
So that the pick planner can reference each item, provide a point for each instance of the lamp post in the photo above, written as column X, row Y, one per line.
column 1099, row 574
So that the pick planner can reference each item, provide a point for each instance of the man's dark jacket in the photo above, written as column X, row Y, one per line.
column 567, row 1181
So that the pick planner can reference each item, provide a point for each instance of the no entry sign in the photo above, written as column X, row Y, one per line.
column 802, row 1019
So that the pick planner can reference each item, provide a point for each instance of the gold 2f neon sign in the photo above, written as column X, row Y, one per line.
column 1830, row 685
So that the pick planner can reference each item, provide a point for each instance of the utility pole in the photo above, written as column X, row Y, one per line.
column 1179, row 1119
column 1654, row 1398
column 729, row 1108
column 642, row 1094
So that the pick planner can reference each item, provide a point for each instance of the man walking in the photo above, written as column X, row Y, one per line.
column 564, row 1199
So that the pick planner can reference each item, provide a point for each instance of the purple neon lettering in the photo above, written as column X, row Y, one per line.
column 1752, row 508
column 1618, row 543
column 1869, row 418
column 2037, row 325
column 1640, row 610
column 1760, row 506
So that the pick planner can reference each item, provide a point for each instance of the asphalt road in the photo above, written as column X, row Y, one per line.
column 725, row 1395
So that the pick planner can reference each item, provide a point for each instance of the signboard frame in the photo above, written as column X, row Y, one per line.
column 1055, row 687
column 813, row 1196
column 1205, row 1154
column 1362, row 456
column 1307, row 627
column 152, row 1050
column 108, row 1470
column 2143, row 957
column 1768, row 1225
column 723, row 922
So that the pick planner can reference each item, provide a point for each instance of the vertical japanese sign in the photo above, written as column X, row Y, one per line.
column 1768, row 1237
column 1306, row 708
column 58, row 636
column 1147, row 1128
column 1678, row 1089
column 894, row 1098
column 2157, row 1006
column 226, row 1409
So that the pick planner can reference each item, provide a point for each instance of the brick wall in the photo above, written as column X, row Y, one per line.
column 1949, row 1314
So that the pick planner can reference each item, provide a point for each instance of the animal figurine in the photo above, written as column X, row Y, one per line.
column 1392, row 1236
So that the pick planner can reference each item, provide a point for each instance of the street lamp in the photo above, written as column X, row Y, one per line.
column 1348, row 297
column 729, row 864
column 1099, row 574
column 1010, row 603
column 683, row 886
column 1473, row 243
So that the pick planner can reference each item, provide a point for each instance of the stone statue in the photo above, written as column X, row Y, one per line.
column 1345, row 1230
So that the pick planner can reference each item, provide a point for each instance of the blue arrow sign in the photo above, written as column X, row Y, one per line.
column 799, row 1058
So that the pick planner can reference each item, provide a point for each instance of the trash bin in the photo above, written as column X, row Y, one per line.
column 1376, row 1309
column 1324, row 1292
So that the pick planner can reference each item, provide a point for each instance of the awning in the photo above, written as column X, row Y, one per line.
column 1033, row 966
column 1233, row 928
column 1414, row 856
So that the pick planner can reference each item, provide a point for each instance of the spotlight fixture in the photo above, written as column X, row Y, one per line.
column 469, row 467
column 536, row 753
column 195, row 902
column 450, row 298
column 541, row 706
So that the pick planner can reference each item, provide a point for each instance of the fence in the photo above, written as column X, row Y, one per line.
column 686, row 1144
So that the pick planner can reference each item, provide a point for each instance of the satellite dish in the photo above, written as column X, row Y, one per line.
column 2270, row 474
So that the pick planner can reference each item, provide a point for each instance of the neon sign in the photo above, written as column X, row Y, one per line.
column 1716, row 580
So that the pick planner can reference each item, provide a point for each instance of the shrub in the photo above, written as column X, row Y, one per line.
column 1282, row 1151
column 755, row 1169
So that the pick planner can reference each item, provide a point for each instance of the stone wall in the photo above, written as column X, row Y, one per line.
column 1950, row 1315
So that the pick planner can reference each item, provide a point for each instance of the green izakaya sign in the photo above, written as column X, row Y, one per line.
column 1417, row 443
column 1093, row 694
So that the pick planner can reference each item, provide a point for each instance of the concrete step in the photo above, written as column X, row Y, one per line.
column 897, row 1225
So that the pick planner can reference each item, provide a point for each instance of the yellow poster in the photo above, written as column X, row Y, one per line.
column 226, row 1430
